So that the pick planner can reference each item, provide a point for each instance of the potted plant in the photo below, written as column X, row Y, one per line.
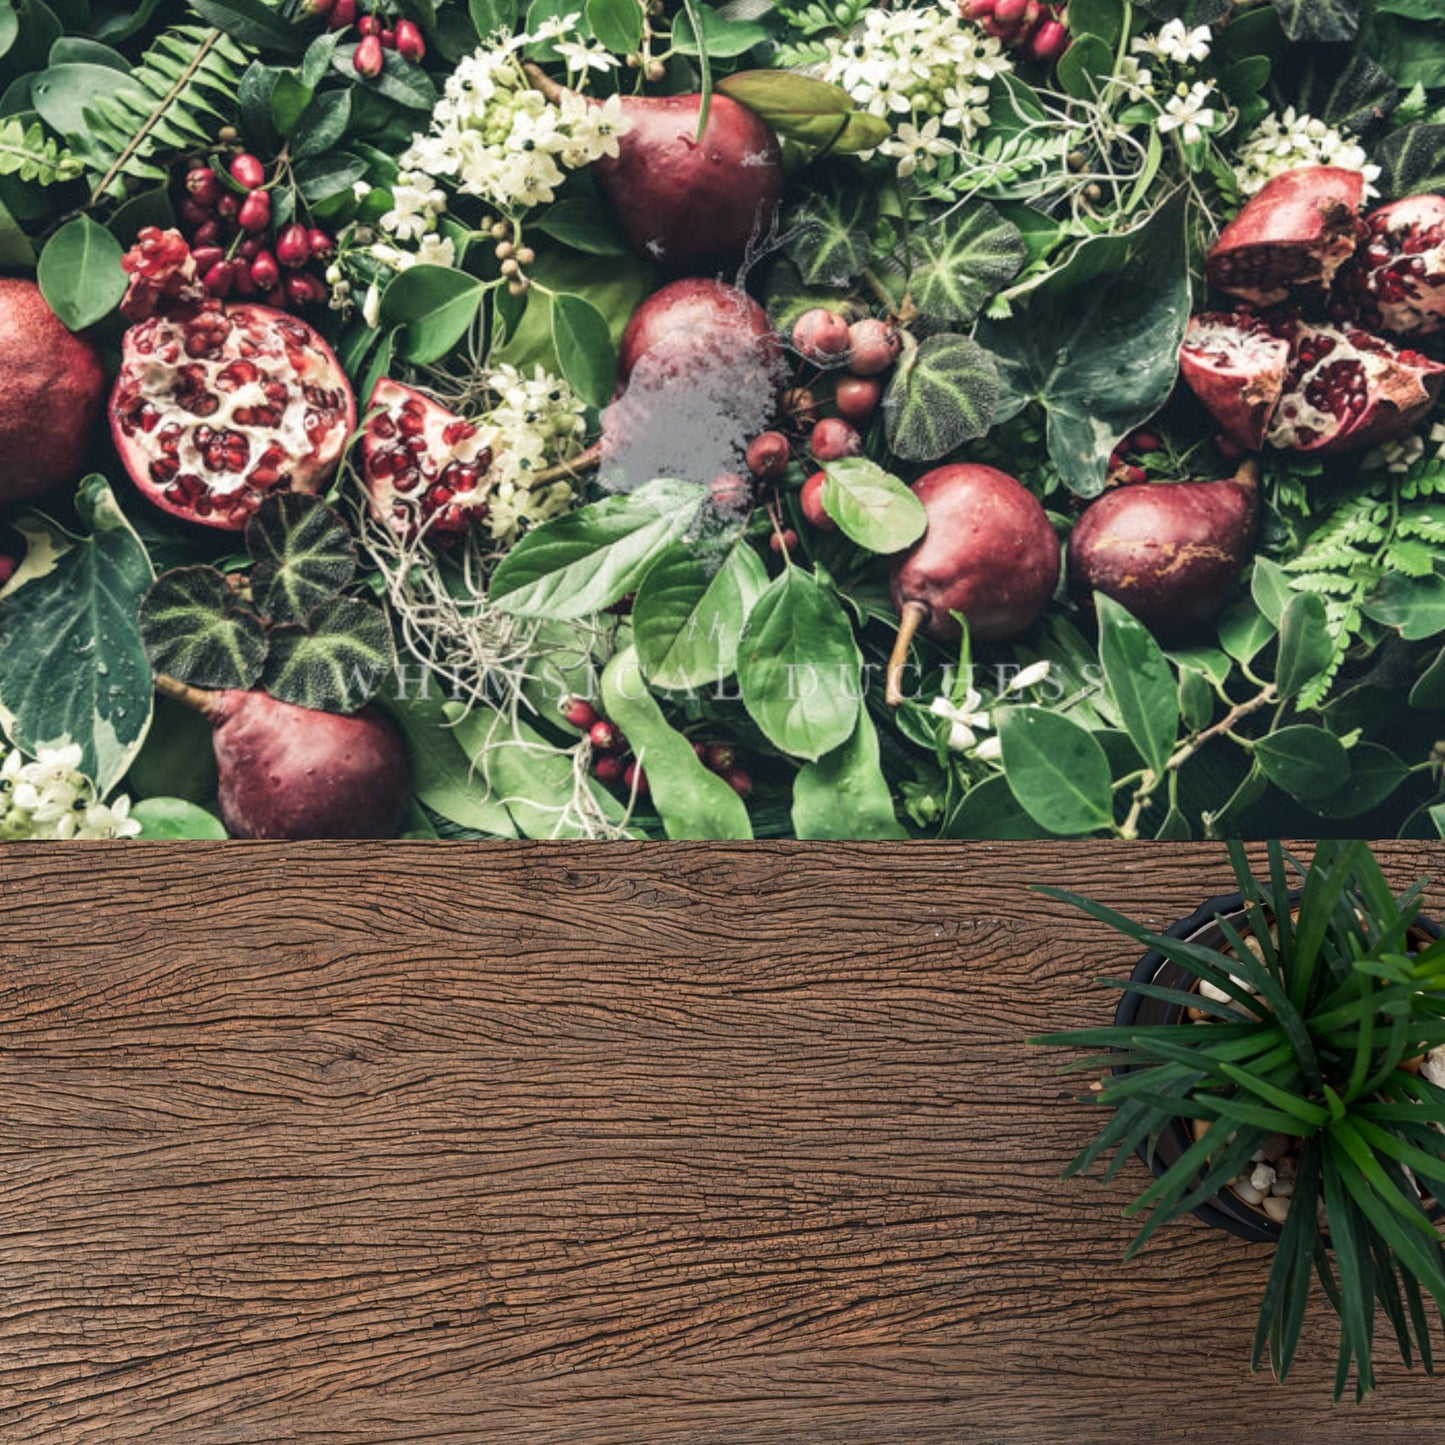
column 1289, row 1033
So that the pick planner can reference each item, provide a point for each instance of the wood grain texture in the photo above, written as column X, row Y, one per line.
column 609, row 1144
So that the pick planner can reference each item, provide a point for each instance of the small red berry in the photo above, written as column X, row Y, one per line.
column 821, row 336
column 228, row 207
column 7, row 569
column 872, row 346
column 369, row 25
column 387, row 38
column 304, row 289
column 206, row 256
column 604, row 737
column 318, row 242
column 204, row 185
column 1049, row 42
column 368, row 59
column 193, row 213
column 219, row 279
column 810, row 500
column 343, row 13
column 786, row 539
column 292, row 247
column 207, row 235
column 255, row 213
column 608, row 768
column 857, row 398
column 1144, row 442
column 722, row 757
column 768, row 455
column 738, row 781
column 247, row 171
column 579, row 712
column 264, row 270
column 832, row 440
column 410, row 44
column 634, row 779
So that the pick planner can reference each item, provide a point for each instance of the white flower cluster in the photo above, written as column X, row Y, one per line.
column 537, row 422
column 969, row 718
column 48, row 798
column 1284, row 142
column 927, row 65
column 1188, row 111
column 496, row 137
column 1176, row 42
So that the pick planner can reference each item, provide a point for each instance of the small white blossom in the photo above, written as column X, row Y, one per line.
column 584, row 55
column 1176, row 42
column 990, row 750
column 49, row 798
column 917, row 147
column 1133, row 78
column 1188, row 112
column 436, row 250
column 1027, row 677
column 1285, row 142
column 416, row 203
column 371, row 306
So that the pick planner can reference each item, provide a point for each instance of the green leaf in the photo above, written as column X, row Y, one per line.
column 871, row 507
column 321, row 126
column 303, row 554
column 1270, row 588
column 250, row 22
column 494, row 17
column 1140, row 681
column 1118, row 297
column 289, row 99
column 197, row 629
column 1085, row 67
column 844, row 793
column 582, row 222
column 1331, row 21
column 436, row 305
column 324, row 178
column 1196, row 700
column 336, row 662
column 584, row 347
column 75, row 669
column 176, row 818
column 1375, row 773
column 617, row 24
column 1413, row 605
column 80, row 274
column 585, row 561
column 442, row 773
column 725, row 38
column 1306, row 762
column 941, row 395
column 692, row 801
column 1412, row 160
column 960, row 261
column 690, row 611
column 807, row 110
column 800, row 668
column 1244, row 630
column 829, row 230
column 400, row 81
column 990, row 810
column 1104, row 18
column 1056, row 769
column 1305, row 646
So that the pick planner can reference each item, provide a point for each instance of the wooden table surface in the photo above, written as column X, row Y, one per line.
column 609, row 1144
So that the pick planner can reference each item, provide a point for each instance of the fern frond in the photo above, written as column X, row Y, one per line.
column 28, row 152
column 185, row 89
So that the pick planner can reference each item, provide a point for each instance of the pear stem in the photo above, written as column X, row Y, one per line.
column 915, row 614
column 203, row 702
column 543, row 82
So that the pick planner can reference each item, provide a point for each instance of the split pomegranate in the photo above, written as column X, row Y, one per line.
column 1311, row 388
column 218, row 407
column 424, row 466
column 1291, row 238
column 1396, row 282
column 1235, row 363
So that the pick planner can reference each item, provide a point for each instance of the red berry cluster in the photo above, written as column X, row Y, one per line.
column 613, row 762
column 1033, row 27
column 377, row 36
column 236, row 250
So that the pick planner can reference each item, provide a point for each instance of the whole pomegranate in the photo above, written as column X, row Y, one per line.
column 294, row 772
column 51, row 388
column 218, row 406
column 1290, row 238
column 1396, row 282
column 1342, row 389
column 423, row 465
column 989, row 553
column 1171, row 552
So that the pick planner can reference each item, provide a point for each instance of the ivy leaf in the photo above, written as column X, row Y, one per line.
column 955, row 266
column 1099, row 344
column 336, row 662
column 830, row 229
column 197, row 629
column 799, row 667
column 79, row 273
column 75, row 670
column 942, row 394
column 1056, row 769
column 587, row 560
column 303, row 555
column 1412, row 161
column 870, row 507
column 1328, row 20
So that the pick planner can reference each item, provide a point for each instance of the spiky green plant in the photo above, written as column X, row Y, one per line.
column 1311, row 1044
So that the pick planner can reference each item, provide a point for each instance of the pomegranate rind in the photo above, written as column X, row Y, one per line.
column 1396, row 282
column 225, row 454
column 1291, row 238
column 425, row 468
column 1236, row 365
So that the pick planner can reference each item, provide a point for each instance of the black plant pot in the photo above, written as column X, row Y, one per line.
column 1225, row 1210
